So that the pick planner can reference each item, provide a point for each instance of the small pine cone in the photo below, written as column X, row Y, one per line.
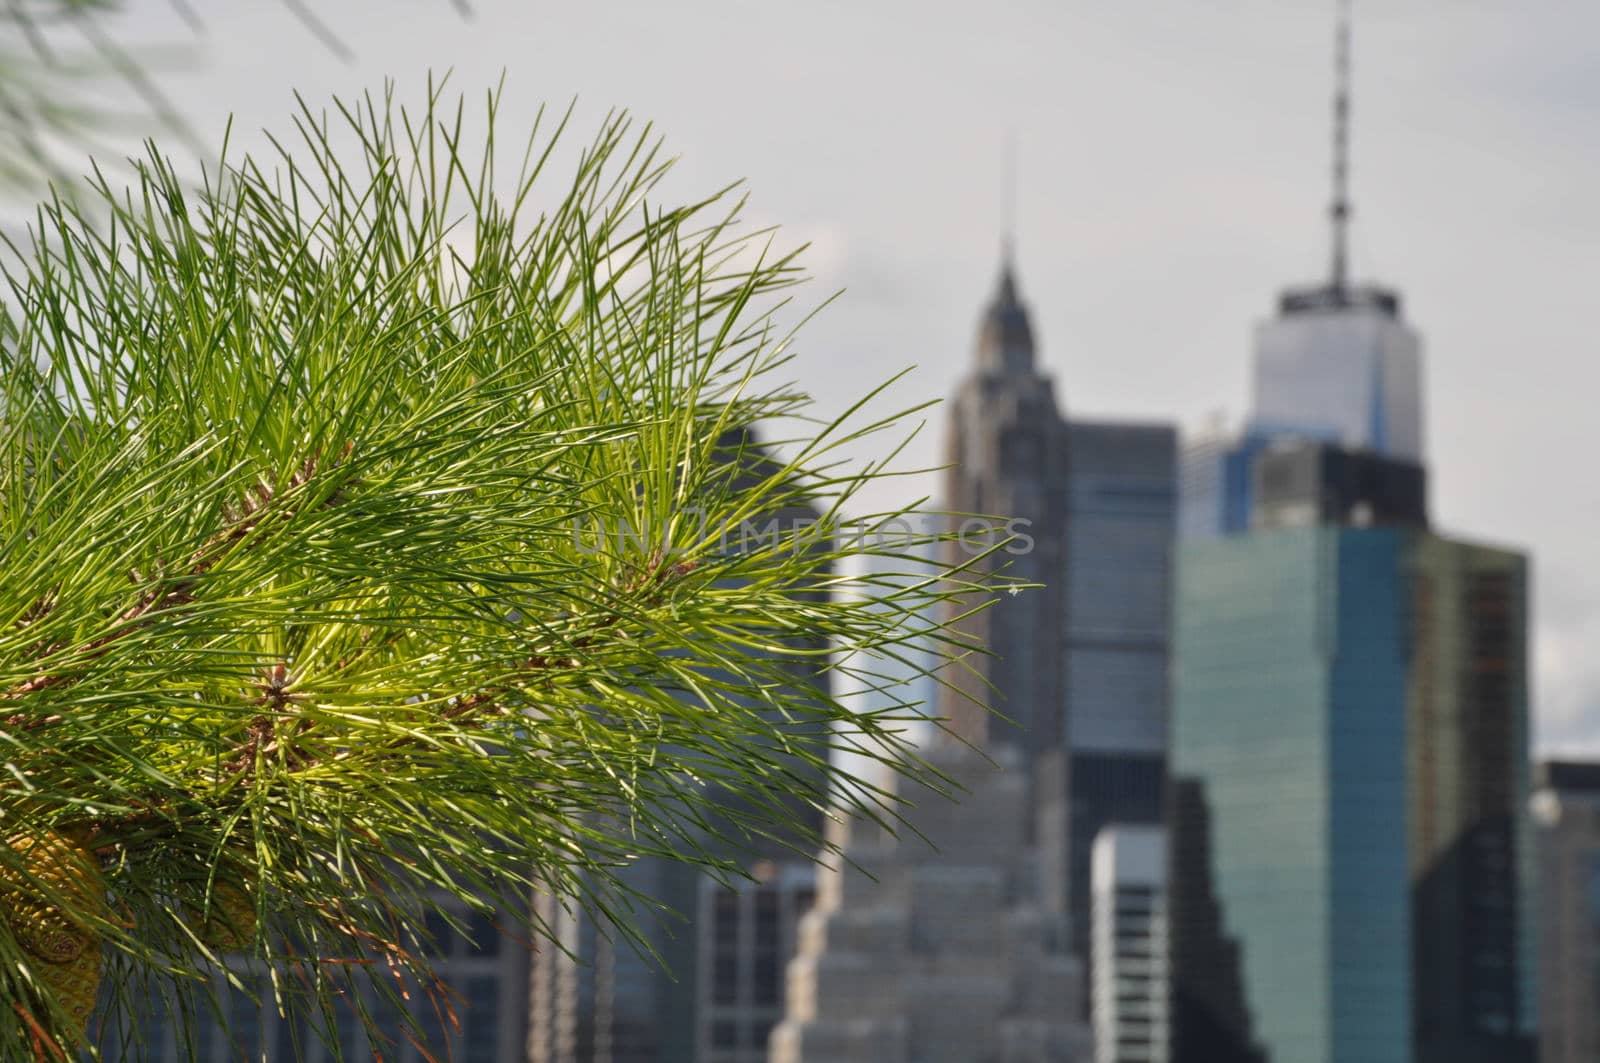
column 45, row 933
column 54, row 866
column 230, row 924
column 75, row 984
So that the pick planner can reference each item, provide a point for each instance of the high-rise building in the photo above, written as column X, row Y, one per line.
column 1566, row 810
column 1121, row 502
column 1353, row 868
column 1300, row 483
column 1340, row 362
column 1078, row 665
column 1006, row 447
column 1339, row 365
column 1128, row 900
column 1077, row 668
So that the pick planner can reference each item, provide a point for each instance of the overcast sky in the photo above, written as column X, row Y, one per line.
column 1172, row 176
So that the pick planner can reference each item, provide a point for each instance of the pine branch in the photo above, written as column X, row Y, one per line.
column 378, row 537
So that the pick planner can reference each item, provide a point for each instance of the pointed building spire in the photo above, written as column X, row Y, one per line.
column 1339, row 209
column 1008, row 204
column 1005, row 292
column 1005, row 338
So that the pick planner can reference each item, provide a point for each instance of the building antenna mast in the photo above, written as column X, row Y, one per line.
column 1008, row 201
column 1339, row 210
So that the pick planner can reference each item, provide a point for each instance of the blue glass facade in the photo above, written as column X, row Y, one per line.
column 1350, row 736
column 1121, row 510
column 1370, row 931
column 1290, row 714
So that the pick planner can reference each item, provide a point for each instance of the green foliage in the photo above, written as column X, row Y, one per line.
column 302, row 605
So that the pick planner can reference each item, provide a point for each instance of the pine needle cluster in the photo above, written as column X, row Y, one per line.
column 305, row 621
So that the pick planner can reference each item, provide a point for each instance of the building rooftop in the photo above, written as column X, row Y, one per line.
column 1322, row 298
column 1568, row 776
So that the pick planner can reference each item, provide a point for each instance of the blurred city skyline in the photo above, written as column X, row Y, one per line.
column 1172, row 177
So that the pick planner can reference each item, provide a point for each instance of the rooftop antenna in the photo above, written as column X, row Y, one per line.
column 1339, row 210
column 1008, row 201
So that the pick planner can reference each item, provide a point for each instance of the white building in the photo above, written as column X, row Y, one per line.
column 1129, row 984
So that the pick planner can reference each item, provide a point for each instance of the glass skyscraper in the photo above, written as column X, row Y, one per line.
column 1351, row 873
column 1289, row 719
column 1352, row 877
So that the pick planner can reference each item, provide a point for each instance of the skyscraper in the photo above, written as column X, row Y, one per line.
column 1006, row 446
column 1121, row 500
column 1353, row 874
column 1079, row 664
column 1352, row 867
column 1078, row 667
column 1340, row 362
column 1566, row 809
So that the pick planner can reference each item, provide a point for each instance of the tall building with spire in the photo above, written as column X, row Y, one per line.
column 1006, row 454
column 1338, row 362
column 1352, row 863
column 1077, row 666
column 970, row 952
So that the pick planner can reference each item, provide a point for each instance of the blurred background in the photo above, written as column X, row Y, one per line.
column 1170, row 177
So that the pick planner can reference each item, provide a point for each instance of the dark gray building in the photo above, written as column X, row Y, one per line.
column 1078, row 665
column 1006, row 448
column 1300, row 483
